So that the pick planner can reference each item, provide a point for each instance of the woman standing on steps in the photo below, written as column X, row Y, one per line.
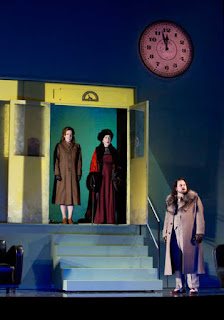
column 68, row 172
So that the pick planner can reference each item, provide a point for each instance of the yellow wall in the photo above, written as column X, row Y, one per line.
column 28, row 177
column 28, row 182
column 71, row 94
column 4, row 157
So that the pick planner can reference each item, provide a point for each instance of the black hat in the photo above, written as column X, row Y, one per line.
column 104, row 133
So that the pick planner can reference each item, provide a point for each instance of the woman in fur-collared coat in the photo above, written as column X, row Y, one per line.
column 104, row 169
column 183, row 232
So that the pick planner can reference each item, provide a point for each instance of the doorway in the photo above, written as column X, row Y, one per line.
column 108, row 107
column 87, row 123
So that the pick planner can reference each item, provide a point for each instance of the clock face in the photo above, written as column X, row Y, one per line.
column 166, row 49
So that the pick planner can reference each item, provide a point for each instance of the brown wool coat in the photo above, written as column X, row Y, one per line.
column 192, row 218
column 68, row 164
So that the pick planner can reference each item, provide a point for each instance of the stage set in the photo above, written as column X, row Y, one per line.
column 84, row 264
column 83, row 260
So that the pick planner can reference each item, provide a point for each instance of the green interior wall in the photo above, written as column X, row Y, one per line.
column 87, row 123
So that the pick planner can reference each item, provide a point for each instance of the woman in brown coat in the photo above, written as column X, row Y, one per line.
column 68, row 172
column 183, row 232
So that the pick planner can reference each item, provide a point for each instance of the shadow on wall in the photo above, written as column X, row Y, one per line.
column 158, row 187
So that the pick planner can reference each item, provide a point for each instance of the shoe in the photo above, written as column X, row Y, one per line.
column 193, row 291
column 70, row 221
column 178, row 291
column 64, row 221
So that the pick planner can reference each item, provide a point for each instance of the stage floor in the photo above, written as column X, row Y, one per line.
column 121, row 305
column 203, row 292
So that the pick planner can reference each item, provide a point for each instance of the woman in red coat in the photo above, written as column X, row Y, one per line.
column 104, row 163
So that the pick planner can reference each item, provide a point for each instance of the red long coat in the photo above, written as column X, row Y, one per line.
column 105, row 204
column 93, row 165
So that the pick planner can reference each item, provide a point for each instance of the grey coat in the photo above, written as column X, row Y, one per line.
column 192, row 219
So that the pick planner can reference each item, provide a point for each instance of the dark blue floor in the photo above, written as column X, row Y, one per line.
column 113, row 305
column 22, row 293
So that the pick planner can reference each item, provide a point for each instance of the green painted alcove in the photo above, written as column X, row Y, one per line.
column 87, row 123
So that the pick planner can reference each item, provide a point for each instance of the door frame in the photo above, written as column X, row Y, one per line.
column 137, row 205
column 77, row 95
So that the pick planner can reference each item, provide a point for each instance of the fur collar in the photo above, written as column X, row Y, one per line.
column 69, row 146
column 187, row 200
column 100, row 152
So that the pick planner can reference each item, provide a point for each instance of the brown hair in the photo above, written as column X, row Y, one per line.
column 64, row 132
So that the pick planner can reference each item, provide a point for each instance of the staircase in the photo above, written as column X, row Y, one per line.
column 102, row 258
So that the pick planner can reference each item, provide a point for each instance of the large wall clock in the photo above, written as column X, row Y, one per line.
column 166, row 48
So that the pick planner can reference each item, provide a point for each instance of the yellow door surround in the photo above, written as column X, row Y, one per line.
column 78, row 95
column 62, row 93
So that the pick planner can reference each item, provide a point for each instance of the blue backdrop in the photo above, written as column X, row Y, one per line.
column 96, row 42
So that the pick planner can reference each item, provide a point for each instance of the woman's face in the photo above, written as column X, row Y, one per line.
column 68, row 136
column 107, row 140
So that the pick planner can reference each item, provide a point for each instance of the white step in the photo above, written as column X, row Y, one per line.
column 108, row 273
column 105, row 262
column 97, row 229
column 98, row 239
column 85, row 250
column 102, row 258
column 112, row 285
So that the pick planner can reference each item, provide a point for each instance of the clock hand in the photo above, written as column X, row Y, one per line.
column 165, row 39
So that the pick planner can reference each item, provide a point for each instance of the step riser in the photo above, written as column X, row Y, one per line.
column 98, row 239
column 98, row 229
column 112, row 285
column 109, row 274
column 65, row 250
column 106, row 262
